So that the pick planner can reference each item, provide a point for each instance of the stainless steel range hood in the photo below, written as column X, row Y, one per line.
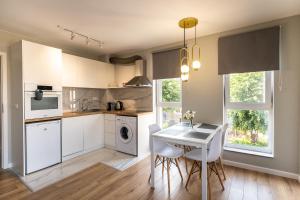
column 140, row 79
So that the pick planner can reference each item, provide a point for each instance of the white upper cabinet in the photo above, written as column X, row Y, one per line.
column 83, row 72
column 41, row 64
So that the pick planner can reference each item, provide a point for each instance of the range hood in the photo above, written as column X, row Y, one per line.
column 140, row 79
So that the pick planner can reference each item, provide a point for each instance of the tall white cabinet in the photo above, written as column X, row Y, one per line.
column 29, row 63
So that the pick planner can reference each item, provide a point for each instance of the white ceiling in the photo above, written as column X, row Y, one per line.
column 133, row 25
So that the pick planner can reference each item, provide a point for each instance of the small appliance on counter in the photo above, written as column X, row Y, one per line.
column 119, row 105
column 110, row 106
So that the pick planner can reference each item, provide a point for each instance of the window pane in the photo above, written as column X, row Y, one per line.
column 247, row 87
column 171, row 90
column 249, row 130
column 170, row 116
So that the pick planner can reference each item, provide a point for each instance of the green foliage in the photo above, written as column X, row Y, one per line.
column 249, row 120
column 246, row 141
column 247, row 87
column 171, row 90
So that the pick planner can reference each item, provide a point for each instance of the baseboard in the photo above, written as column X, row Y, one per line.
column 263, row 170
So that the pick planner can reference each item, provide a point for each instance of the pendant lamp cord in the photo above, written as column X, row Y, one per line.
column 195, row 34
column 184, row 35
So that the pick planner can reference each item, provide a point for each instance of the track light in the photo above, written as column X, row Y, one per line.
column 72, row 35
column 88, row 40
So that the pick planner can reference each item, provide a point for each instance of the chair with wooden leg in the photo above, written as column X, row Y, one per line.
column 220, row 162
column 214, row 152
column 167, row 152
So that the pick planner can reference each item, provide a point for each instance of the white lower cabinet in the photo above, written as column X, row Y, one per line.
column 110, row 130
column 72, row 136
column 93, row 132
column 82, row 134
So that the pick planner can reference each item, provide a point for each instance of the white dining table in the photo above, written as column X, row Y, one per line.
column 190, row 136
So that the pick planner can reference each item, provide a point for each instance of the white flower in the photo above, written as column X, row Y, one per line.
column 189, row 115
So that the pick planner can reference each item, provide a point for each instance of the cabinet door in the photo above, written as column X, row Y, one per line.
column 83, row 72
column 72, row 135
column 93, row 131
column 41, row 64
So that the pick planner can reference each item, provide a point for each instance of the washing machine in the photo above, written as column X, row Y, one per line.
column 126, row 134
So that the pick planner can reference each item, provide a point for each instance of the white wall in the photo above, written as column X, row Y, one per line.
column 204, row 94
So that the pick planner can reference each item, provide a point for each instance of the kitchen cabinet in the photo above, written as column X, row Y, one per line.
column 93, row 132
column 110, row 131
column 41, row 64
column 87, row 73
column 72, row 136
column 82, row 134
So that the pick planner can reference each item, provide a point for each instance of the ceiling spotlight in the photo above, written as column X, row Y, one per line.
column 72, row 35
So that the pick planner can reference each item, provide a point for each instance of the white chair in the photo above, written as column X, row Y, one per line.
column 224, row 131
column 165, row 152
column 214, row 152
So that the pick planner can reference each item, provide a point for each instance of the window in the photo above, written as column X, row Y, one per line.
column 248, row 109
column 168, row 95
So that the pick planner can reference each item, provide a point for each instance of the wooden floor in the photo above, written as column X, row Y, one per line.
column 103, row 182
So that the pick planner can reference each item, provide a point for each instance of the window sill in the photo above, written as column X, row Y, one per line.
column 268, row 155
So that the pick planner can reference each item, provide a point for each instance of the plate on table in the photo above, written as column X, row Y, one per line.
column 197, row 135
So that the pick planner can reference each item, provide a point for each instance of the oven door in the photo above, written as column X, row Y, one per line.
column 49, row 106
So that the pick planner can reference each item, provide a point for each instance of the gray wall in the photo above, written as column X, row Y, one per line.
column 204, row 94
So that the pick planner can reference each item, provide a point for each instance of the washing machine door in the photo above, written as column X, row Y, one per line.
column 125, row 133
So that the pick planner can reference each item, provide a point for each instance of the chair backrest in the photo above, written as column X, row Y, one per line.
column 153, row 128
column 224, row 129
column 215, row 148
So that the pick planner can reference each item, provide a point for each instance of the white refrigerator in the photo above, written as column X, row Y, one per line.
column 43, row 145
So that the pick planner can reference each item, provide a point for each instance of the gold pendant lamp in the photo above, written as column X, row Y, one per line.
column 184, row 54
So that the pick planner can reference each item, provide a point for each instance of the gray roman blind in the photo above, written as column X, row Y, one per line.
column 249, row 52
column 166, row 64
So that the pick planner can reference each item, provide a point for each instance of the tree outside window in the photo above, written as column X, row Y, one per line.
column 169, row 101
column 247, row 111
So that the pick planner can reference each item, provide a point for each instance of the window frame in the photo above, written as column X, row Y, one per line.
column 160, row 104
column 268, row 105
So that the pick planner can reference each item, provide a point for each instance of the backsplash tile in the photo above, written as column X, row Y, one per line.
column 74, row 98
column 132, row 98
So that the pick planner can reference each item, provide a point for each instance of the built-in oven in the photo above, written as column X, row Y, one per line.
column 42, row 101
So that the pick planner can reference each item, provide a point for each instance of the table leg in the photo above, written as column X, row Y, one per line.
column 204, row 172
column 152, row 162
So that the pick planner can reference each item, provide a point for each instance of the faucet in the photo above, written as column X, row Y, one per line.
column 83, row 106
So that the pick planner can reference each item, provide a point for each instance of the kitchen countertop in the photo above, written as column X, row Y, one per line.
column 130, row 113
column 116, row 112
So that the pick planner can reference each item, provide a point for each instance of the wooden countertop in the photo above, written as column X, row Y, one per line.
column 27, row 121
column 77, row 114
column 116, row 112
